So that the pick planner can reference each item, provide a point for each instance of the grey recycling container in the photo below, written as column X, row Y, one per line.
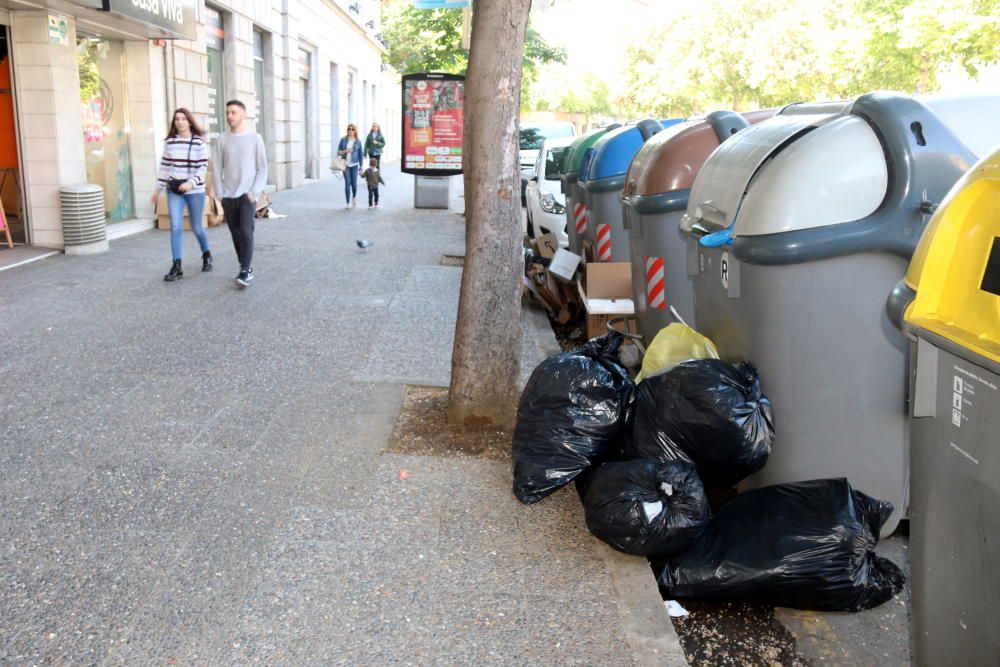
column 654, row 198
column 805, row 223
column 605, row 239
column 576, row 216
column 954, row 326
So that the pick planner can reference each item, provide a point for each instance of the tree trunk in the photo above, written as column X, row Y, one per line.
column 925, row 74
column 486, row 360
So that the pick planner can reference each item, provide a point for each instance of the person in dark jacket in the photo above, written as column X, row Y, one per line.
column 374, row 143
column 373, row 177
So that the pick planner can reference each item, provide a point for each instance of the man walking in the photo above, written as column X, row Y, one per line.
column 239, row 170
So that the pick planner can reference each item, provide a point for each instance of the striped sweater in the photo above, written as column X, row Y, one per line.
column 177, row 164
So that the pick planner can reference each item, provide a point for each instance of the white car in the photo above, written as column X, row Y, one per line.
column 532, row 136
column 546, row 203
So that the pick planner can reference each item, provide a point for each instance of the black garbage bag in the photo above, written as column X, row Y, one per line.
column 809, row 545
column 572, row 414
column 705, row 411
column 646, row 508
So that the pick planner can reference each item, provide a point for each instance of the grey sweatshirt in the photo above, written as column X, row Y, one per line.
column 239, row 165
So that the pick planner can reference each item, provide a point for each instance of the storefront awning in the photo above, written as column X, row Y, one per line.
column 135, row 19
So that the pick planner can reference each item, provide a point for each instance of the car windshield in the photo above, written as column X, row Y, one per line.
column 532, row 137
column 553, row 163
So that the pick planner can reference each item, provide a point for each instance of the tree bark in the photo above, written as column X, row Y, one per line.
column 486, row 360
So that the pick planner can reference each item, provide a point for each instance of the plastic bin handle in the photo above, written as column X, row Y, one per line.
column 648, row 127
column 723, row 237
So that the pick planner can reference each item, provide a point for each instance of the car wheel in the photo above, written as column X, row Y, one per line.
column 524, row 190
column 531, row 226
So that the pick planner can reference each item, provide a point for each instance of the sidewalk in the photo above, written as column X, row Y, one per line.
column 194, row 474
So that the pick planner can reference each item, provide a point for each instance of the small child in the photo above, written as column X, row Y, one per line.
column 372, row 178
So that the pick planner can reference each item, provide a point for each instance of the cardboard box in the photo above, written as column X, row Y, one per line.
column 563, row 264
column 606, row 292
column 547, row 245
column 212, row 216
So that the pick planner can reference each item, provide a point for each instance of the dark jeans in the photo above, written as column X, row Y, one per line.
column 372, row 194
column 351, row 183
column 240, row 218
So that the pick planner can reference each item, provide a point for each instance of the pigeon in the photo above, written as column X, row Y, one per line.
column 364, row 245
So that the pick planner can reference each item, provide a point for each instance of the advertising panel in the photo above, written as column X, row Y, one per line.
column 432, row 124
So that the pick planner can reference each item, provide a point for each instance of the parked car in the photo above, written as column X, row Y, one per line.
column 531, row 137
column 546, row 203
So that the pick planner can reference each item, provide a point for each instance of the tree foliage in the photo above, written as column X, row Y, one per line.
column 743, row 54
column 430, row 40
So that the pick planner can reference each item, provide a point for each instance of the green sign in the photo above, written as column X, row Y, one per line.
column 58, row 30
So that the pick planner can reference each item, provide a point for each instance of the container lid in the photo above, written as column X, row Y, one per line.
column 955, row 270
column 821, row 181
column 670, row 160
column 615, row 150
column 725, row 176
column 835, row 173
column 573, row 156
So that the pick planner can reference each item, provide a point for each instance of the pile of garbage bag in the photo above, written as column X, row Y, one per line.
column 708, row 412
column 809, row 545
column 571, row 415
column 645, row 456
column 646, row 508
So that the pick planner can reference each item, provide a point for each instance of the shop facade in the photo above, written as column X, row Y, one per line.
column 90, row 87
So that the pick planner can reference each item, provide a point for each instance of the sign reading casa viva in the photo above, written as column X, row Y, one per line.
column 173, row 18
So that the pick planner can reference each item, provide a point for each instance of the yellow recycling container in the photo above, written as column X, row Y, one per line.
column 954, row 323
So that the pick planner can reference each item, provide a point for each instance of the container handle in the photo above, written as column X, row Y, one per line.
column 717, row 239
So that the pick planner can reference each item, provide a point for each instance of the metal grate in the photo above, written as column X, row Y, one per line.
column 82, row 214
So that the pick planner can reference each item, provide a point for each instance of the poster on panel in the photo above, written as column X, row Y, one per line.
column 432, row 124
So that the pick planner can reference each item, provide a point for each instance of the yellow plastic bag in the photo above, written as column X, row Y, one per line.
column 675, row 343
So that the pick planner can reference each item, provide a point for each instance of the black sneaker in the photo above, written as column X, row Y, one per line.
column 243, row 280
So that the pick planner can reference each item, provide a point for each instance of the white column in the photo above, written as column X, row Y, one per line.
column 47, row 91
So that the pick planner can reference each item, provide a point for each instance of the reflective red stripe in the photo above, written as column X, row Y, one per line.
column 655, row 283
column 580, row 218
column 604, row 243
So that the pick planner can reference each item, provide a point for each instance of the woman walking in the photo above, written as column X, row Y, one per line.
column 374, row 143
column 182, row 175
column 350, row 150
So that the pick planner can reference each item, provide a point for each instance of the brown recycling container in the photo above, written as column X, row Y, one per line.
column 654, row 198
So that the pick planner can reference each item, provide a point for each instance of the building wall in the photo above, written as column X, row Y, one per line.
column 161, row 76
column 47, row 84
column 330, row 33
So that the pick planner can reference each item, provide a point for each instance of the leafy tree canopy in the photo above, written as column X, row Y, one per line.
column 743, row 54
column 430, row 40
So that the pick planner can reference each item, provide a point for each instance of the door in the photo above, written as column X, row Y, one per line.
column 10, row 190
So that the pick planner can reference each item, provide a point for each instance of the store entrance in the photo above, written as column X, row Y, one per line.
column 105, row 122
column 12, row 220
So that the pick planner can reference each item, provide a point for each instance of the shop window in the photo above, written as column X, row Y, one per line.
column 105, row 122
column 215, row 45
column 260, row 96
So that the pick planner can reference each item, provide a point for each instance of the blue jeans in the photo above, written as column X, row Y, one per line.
column 196, row 207
column 351, row 183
